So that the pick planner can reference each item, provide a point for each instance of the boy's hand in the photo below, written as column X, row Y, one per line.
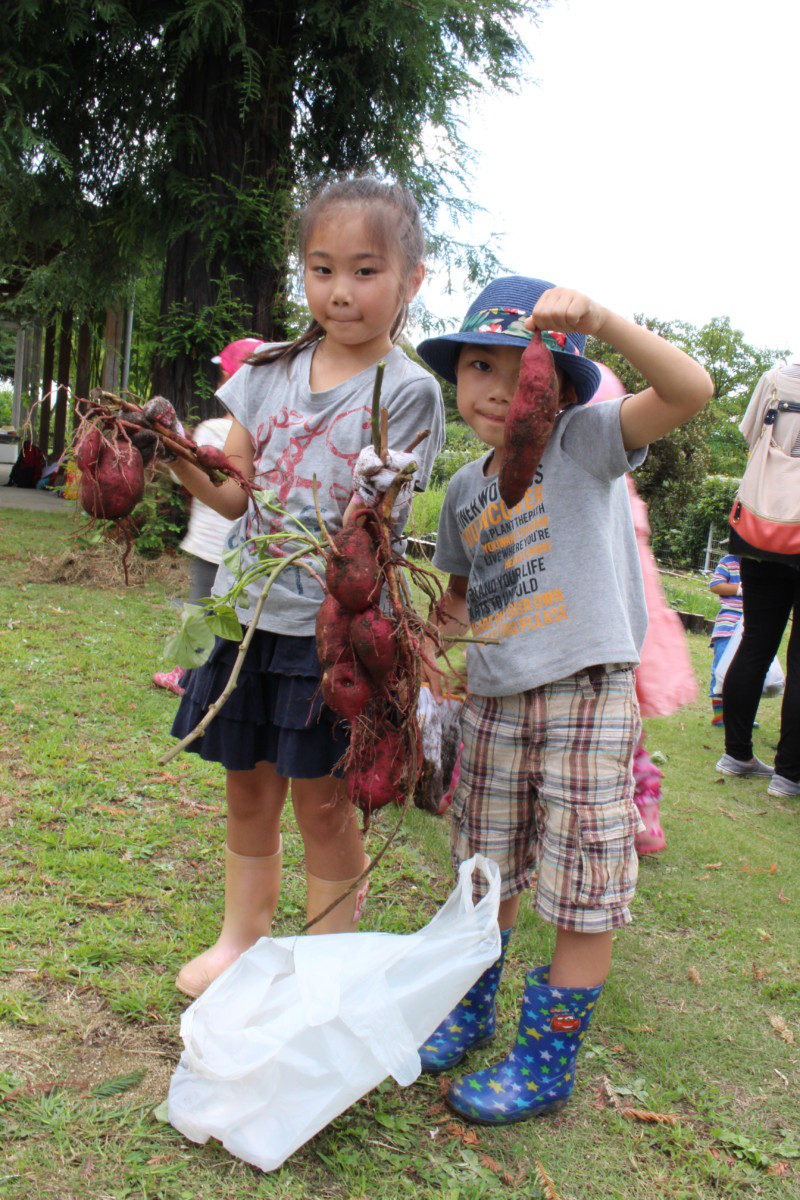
column 565, row 311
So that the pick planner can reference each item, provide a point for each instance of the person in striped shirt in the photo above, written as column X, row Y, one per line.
column 727, row 584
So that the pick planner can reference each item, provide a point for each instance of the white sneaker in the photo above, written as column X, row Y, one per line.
column 734, row 766
column 780, row 786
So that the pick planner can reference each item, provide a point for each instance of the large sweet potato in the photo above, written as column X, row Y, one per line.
column 529, row 422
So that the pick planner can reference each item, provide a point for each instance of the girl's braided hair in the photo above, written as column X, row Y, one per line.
column 393, row 221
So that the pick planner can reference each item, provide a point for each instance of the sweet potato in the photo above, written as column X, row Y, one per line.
column 378, row 780
column 352, row 573
column 87, row 447
column 374, row 641
column 212, row 458
column 529, row 422
column 347, row 688
column 333, row 632
column 160, row 409
column 143, row 437
column 113, row 485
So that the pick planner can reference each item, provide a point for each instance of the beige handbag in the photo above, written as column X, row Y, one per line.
column 765, row 518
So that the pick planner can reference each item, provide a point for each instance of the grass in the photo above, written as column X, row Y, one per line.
column 690, row 593
column 110, row 878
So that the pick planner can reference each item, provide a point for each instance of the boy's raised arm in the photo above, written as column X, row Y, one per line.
column 679, row 386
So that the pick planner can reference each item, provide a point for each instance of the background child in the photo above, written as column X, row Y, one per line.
column 551, row 722
column 205, row 537
column 303, row 411
column 665, row 680
column 726, row 582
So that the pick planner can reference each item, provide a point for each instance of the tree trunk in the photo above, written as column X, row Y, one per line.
column 64, row 360
column 47, row 385
column 82, row 368
column 112, row 357
column 238, row 155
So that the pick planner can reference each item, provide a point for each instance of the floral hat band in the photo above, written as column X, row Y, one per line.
column 497, row 317
column 512, row 321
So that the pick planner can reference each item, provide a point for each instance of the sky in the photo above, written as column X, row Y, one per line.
column 651, row 161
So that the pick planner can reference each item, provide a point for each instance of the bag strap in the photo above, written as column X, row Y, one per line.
column 777, row 406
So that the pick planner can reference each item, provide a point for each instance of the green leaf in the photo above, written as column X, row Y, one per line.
column 233, row 559
column 266, row 497
column 193, row 644
column 161, row 1112
column 224, row 622
column 117, row 1085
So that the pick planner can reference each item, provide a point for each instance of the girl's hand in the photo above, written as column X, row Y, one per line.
column 565, row 311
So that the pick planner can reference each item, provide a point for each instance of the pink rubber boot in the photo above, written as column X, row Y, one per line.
column 171, row 680
column 647, row 778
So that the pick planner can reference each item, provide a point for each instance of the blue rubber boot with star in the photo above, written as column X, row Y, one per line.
column 471, row 1023
column 537, row 1075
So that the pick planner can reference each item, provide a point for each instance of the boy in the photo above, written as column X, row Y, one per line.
column 551, row 722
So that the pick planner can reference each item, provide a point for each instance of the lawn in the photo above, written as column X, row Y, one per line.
column 110, row 878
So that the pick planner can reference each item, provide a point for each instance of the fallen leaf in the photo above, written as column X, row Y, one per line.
column 444, row 1086
column 780, row 1026
column 467, row 1136
column 694, row 975
column 783, row 899
column 758, row 973
column 773, row 868
column 611, row 1095
column 546, row 1183
column 491, row 1164
column 712, row 866
column 763, row 935
column 778, row 1168
column 652, row 1118
column 164, row 777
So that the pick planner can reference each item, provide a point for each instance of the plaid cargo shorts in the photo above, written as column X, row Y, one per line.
column 546, row 790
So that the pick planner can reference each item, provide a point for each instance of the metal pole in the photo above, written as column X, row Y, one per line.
column 709, row 545
column 126, row 359
column 19, row 370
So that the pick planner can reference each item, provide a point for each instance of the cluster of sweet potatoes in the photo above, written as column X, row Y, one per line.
column 361, row 651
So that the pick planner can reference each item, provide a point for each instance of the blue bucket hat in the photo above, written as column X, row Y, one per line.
column 496, row 318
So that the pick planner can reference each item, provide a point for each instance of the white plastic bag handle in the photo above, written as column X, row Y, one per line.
column 491, row 873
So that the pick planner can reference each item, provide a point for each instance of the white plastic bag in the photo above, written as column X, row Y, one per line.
column 774, row 682
column 300, row 1028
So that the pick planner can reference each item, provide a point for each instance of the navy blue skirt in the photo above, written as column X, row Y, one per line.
column 276, row 713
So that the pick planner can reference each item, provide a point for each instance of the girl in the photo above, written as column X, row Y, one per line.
column 302, row 411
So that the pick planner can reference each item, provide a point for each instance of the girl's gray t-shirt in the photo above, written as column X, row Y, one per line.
column 299, row 434
column 556, row 580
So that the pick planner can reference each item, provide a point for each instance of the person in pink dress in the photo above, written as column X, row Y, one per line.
column 665, row 680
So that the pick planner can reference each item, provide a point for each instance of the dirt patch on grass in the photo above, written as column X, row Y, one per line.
column 81, row 1044
column 102, row 567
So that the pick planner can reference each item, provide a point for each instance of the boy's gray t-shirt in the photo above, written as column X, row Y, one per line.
column 299, row 434
column 557, row 579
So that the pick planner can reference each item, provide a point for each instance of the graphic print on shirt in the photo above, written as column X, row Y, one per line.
column 282, row 445
column 509, row 592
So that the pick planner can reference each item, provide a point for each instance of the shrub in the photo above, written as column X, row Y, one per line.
column 682, row 542
column 161, row 518
column 460, row 446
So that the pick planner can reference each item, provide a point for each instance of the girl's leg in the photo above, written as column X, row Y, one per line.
column 252, row 872
column 334, row 850
column 767, row 601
